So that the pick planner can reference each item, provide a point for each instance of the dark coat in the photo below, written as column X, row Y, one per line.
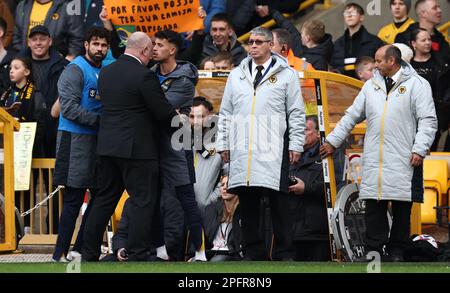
column 134, row 109
column 48, row 87
column 177, row 166
column 320, row 55
column 34, row 111
column 442, row 49
column 243, row 11
column 66, row 30
column 368, row 46
column 213, row 215
column 4, row 72
column 311, row 216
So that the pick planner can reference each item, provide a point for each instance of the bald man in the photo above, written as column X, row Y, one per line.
column 401, row 123
column 134, row 110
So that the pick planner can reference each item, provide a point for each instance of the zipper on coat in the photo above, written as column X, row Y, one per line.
column 252, row 113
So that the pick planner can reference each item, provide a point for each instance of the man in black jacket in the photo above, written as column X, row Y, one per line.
column 311, row 227
column 430, row 14
column 48, row 65
column 5, row 58
column 65, row 26
column 134, row 110
column 355, row 42
column 222, row 38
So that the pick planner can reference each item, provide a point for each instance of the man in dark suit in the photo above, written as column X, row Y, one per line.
column 134, row 109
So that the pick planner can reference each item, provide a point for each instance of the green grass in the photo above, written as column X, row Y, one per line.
column 229, row 267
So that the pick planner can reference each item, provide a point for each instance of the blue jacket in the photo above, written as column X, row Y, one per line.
column 212, row 7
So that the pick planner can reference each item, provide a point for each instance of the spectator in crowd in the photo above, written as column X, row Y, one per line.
column 212, row 7
column 47, row 67
column 77, row 136
column 317, row 45
column 178, row 80
column 7, row 16
column 400, row 10
column 241, row 13
column 222, row 228
column 355, row 42
column 65, row 27
column 24, row 102
column 223, row 61
column 402, row 131
column 127, row 146
column 207, row 64
column 281, row 46
column 256, row 171
column 207, row 161
column 429, row 13
column 311, row 233
column 294, row 35
column 222, row 38
column 5, row 58
column 429, row 66
column 364, row 67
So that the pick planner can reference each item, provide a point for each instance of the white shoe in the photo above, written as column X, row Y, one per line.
column 61, row 259
column 73, row 255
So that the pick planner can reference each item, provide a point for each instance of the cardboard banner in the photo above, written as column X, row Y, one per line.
column 151, row 16
column 23, row 154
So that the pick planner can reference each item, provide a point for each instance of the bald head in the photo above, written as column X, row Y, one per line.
column 140, row 45
column 388, row 60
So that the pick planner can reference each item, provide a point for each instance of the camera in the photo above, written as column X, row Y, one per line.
column 292, row 180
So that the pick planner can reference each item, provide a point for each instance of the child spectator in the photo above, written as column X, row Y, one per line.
column 364, row 67
column 318, row 45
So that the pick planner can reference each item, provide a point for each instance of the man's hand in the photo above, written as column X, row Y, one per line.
column 262, row 10
column 326, row 149
column 416, row 160
column 298, row 188
column 225, row 156
column 105, row 19
column 294, row 157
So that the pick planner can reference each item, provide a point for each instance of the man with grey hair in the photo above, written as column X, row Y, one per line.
column 261, row 132
column 134, row 111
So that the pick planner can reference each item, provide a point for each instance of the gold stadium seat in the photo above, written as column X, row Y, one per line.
column 435, row 175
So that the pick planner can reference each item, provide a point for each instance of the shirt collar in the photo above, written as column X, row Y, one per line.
column 396, row 76
column 133, row 57
column 265, row 65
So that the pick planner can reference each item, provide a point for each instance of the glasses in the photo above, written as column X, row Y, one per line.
column 257, row 42
column 350, row 13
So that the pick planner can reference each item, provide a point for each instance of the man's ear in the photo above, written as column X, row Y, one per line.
column 361, row 19
column 2, row 33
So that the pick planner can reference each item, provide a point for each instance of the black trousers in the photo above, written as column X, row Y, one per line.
column 377, row 226
column 312, row 250
column 72, row 202
column 140, row 178
column 281, row 206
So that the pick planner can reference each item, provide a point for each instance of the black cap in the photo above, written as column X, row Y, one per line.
column 39, row 29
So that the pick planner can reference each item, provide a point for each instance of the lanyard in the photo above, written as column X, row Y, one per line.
column 265, row 72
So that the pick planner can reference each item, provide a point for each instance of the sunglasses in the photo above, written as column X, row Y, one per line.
column 257, row 42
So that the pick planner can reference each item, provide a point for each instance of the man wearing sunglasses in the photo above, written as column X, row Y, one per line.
column 261, row 132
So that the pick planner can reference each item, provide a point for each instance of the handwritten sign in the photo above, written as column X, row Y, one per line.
column 23, row 153
column 151, row 16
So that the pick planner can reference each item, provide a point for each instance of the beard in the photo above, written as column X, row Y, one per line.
column 96, row 57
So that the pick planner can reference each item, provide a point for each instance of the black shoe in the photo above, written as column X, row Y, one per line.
column 396, row 255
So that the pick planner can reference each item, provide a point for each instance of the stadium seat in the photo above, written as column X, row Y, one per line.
column 435, row 174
